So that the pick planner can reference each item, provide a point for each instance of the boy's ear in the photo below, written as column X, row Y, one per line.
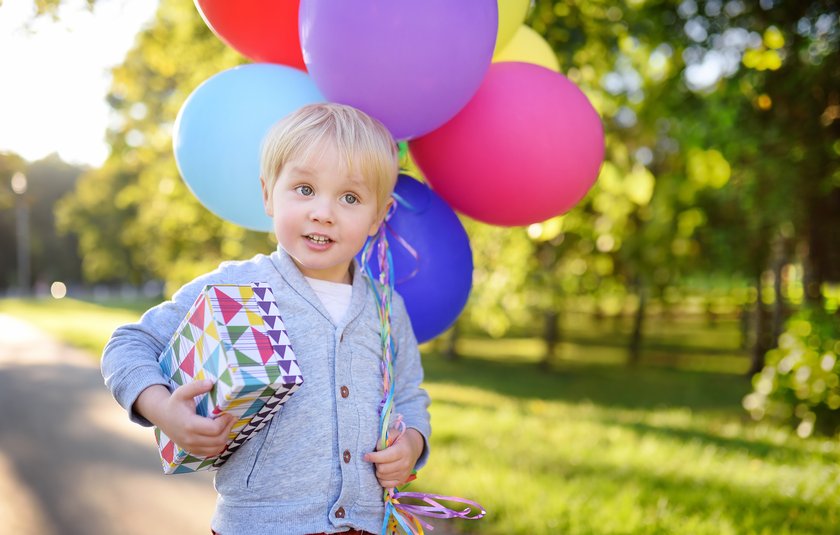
column 374, row 228
column 269, row 209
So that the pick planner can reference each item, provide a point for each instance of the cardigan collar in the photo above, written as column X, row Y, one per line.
column 287, row 269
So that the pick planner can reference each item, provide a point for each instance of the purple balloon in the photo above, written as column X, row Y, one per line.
column 411, row 64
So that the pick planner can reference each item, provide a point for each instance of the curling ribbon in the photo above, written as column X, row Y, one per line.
column 400, row 516
column 400, row 202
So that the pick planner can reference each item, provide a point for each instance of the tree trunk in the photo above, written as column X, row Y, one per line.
column 711, row 315
column 779, row 309
column 635, row 348
column 451, row 352
column 763, row 335
column 815, row 263
column 618, row 323
column 744, row 324
column 551, row 336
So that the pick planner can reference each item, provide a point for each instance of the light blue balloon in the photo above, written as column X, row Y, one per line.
column 219, row 131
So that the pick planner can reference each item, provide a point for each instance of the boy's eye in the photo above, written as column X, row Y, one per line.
column 304, row 190
column 349, row 198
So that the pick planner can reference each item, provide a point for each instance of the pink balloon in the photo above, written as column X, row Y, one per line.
column 526, row 148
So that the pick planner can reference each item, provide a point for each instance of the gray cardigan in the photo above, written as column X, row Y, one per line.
column 295, row 476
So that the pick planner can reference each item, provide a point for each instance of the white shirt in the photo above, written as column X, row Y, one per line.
column 335, row 296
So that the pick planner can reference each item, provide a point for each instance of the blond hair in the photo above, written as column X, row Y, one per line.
column 363, row 144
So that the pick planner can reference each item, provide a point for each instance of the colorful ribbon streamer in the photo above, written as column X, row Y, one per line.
column 399, row 202
column 400, row 517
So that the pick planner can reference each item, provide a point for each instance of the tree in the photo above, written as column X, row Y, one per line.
column 783, row 81
column 9, row 165
column 134, row 217
column 685, row 90
column 52, row 256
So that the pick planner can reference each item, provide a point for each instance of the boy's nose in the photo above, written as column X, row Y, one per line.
column 322, row 212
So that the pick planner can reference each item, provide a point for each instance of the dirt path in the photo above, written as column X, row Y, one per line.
column 70, row 461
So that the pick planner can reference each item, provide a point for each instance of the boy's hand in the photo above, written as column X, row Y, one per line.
column 175, row 415
column 395, row 464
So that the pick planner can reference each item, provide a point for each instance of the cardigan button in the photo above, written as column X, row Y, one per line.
column 346, row 456
column 339, row 513
column 345, row 392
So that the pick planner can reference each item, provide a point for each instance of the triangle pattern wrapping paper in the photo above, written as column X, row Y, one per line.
column 234, row 336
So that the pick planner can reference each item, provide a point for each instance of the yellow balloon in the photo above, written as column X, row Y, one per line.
column 511, row 15
column 529, row 47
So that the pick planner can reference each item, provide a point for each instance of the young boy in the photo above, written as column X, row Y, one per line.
column 328, row 172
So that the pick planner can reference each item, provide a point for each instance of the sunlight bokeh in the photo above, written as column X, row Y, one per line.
column 56, row 74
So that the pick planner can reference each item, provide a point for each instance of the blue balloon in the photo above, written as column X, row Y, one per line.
column 435, row 279
column 219, row 130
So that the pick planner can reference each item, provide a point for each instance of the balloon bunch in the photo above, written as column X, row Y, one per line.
column 498, row 133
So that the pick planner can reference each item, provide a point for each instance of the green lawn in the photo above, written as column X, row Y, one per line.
column 592, row 447
column 80, row 323
column 600, row 449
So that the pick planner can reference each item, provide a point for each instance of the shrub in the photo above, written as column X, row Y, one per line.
column 800, row 382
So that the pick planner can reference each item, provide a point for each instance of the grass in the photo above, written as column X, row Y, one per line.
column 595, row 449
column 83, row 324
column 591, row 446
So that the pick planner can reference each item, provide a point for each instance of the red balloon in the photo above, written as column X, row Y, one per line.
column 527, row 147
column 264, row 31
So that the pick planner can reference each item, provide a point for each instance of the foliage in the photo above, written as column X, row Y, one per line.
column 801, row 379
column 680, row 185
column 135, row 218
column 9, row 165
column 501, row 274
column 52, row 256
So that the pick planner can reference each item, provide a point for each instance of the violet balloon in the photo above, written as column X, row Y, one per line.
column 410, row 64
column 527, row 147
column 434, row 278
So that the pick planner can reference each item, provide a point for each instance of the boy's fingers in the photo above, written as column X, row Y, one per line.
column 215, row 438
column 229, row 421
column 203, row 427
column 390, row 471
column 224, row 425
column 377, row 457
column 191, row 390
column 202, row 450
column 219, row 426
column 204, row 445
column 389, row 481
column 209, row 427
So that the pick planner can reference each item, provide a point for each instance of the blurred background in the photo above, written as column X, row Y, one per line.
column 661, row 359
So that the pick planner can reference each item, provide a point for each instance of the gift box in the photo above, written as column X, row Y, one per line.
column 234, row 336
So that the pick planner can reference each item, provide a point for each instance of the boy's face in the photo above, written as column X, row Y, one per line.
column 322, row 214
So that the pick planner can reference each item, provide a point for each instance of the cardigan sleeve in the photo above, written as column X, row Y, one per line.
column 130, row 358
column 411, row 401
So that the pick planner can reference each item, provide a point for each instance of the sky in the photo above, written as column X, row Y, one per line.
column 54, row 75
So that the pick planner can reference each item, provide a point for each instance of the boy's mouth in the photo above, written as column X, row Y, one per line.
column 317, row 238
